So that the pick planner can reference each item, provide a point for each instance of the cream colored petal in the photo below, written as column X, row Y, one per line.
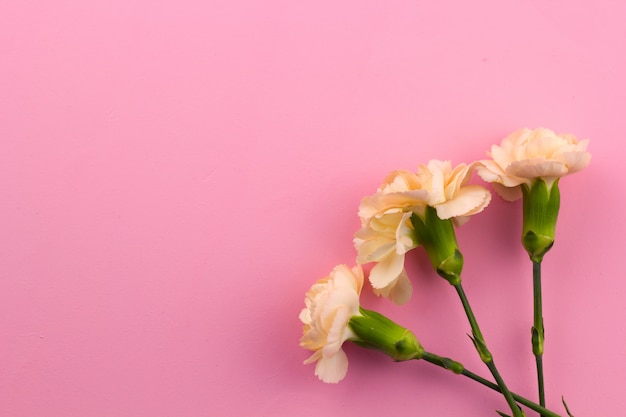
column 424, row 177
column 349, row 278
column 375, row 250
column 543, row 144
column 305, row 316
column 437, row 169
column 507, row 193
column 332, row 369
column 342, row 277
column 386, row 271
column 387, row 223
column 402, row 289
column 341, row 302
column 500, row 156
column 404, row 235
column 469, row 200
column 575, row 161
column 490, row 171
column 537, row 168
column 459, row 177
column 358, row 275
column 385, row 202
column 385, row 291
column 485, row 202
column 367, row 208
column 516, row 143
column 460, row 220
column 581, row 146
column 335, row 337
column 367, row 233
column 515, row 139
column 314, row 357
column 313, row 339
column 401, row 180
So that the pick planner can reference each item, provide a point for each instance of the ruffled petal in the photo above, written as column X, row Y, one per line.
column 335, row 337
column 469, row 200
column 490, row 171
column 507, row 193
column 437, row 170
column 404, row 235
column 537, row 168
column 500, row 156
column 458, row 178
column 348, row 278
column 575, row 161
column 332, row 369
column 314, row 357
column 402, row 289
column 386, row 270
column 525, row 155
column 374, row 250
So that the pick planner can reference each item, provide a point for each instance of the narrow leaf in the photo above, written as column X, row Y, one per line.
column 566, row 408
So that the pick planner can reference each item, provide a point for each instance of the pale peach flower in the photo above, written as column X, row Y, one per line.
column 449, row 192
column 330, row 303
column 526, row 155
column 387, row 233
column 385, row 240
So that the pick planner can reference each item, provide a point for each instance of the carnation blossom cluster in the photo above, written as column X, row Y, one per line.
column 422, row 208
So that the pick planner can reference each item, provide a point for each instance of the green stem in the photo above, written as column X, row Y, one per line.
column 483, row 351
column 538, row 330
column 540, row 384
column 458, row 368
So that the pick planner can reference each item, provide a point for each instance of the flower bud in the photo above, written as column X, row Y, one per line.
column 541, row 208
column 438, row 238
column 375, row 331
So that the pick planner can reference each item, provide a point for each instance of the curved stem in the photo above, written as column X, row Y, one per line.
column 483, row 351
column 538, row 330
column 458, row 368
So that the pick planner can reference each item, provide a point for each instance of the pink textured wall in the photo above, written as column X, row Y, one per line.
column 175, row 175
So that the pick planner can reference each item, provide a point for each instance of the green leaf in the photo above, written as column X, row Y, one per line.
column 566, row 408
column 481, row 348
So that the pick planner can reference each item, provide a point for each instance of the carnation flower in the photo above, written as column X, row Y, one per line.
column 526, row 155
column 387, row 231
column 330, row 303
column 385, row 240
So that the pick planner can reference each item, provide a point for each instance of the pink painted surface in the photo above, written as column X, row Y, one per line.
column 175, row 175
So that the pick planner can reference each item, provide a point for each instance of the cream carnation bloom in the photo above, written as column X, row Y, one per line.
column 387, row 233
column 449, row 192
column 330, row 303
column 525, row 155
column 385, row 240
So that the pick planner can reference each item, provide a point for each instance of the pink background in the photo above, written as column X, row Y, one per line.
column 175, row 175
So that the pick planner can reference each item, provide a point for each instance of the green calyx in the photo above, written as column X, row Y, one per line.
column 438, row 238
column 541, row 209
column 375, row 331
